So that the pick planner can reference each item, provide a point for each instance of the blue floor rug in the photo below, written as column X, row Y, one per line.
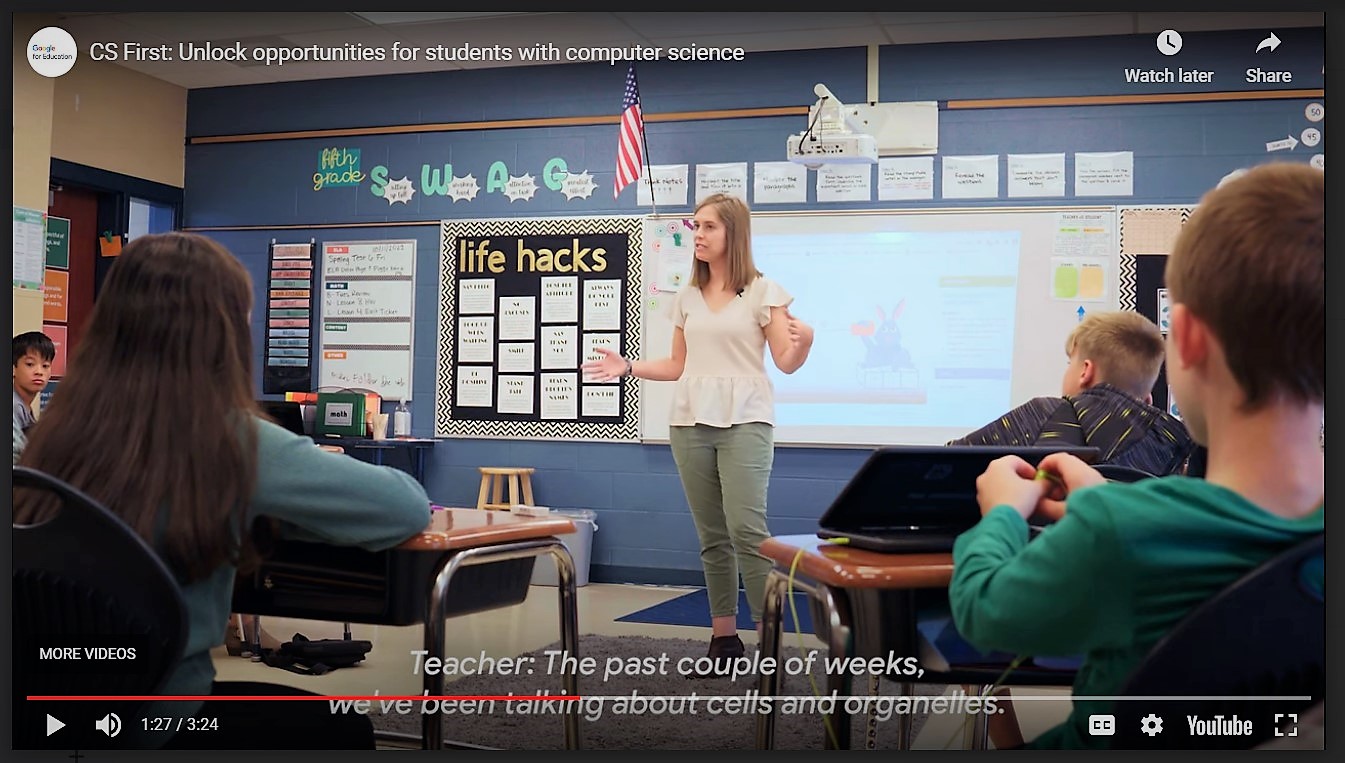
column 694, row 609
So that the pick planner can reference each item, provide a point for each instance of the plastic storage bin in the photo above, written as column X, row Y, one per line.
column 580, row 544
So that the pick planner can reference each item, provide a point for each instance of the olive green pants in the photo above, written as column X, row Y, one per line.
column 725, row 471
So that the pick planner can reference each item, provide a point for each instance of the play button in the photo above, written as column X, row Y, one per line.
column 53, row 725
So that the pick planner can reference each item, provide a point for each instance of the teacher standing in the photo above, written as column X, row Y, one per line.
column 723, row 414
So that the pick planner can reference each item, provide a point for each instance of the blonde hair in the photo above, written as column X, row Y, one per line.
column 1126, row 347
column 1250, row 265
column 737, row 220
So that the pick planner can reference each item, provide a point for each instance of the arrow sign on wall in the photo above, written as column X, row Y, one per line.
column 1279, row 145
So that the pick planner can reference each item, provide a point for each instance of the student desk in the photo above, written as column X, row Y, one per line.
column 415, row 447
column 413, row 583
column 862, row 604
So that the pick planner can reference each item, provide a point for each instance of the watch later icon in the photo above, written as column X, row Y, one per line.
column 1169, row 42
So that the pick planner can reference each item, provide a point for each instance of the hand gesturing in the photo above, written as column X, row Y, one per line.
column 610, row 366
column 800, row 333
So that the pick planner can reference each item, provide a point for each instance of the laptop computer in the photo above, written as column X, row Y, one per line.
column 919, row 498
column 284, row 413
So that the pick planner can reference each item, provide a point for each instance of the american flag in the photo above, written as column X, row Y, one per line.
column 629, row 158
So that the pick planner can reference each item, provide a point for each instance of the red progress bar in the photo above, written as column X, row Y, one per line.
column 273, row 698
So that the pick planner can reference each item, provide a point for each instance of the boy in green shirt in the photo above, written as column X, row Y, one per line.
column 1125, row 562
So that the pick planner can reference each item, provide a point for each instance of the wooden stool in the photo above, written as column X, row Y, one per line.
column 492, row 486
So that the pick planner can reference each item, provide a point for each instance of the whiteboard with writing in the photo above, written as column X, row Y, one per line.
column 368, row 303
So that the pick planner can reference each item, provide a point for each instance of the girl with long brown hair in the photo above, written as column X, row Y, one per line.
column 157, row 420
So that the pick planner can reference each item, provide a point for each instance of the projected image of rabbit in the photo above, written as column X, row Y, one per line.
column 887, row 363
column 914, row 330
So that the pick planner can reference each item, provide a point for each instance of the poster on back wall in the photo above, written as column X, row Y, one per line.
column 523, row 303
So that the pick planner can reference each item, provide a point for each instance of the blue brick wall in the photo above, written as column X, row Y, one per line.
column 645, row 533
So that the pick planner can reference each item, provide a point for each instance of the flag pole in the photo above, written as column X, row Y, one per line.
column 649, row 168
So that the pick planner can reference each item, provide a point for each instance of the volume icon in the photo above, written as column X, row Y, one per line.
column 109, row 724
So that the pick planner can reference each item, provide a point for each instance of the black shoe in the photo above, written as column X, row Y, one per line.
column 723, row 651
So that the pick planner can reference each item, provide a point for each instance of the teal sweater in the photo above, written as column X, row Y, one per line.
column 317, row 496
column 1109, row 579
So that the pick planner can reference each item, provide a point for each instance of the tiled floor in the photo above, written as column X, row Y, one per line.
column 533, row 624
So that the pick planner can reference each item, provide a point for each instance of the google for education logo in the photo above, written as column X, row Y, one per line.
column 52, row 51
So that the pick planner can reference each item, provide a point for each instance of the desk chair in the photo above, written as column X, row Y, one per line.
column 84, row 577
column 986, row 677
column 1264, row 635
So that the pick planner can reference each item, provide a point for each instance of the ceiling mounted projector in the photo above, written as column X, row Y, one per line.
column 859, row 134
column 831, row 137
column 816, row 150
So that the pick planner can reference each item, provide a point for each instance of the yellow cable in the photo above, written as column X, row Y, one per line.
column 798, row 631
column 995, row 686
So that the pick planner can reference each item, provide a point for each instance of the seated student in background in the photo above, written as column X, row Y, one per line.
column 33, row 354
column 1126, row 562
column 157, row 420
column 1105, row 401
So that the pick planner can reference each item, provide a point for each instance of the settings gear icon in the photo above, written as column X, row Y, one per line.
column 1151, row 725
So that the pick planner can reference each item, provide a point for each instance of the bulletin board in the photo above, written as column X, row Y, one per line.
column 1147, row 233
column 523, row 302
column 368, row 306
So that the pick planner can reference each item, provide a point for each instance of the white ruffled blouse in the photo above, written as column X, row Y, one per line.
column 724, row 381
